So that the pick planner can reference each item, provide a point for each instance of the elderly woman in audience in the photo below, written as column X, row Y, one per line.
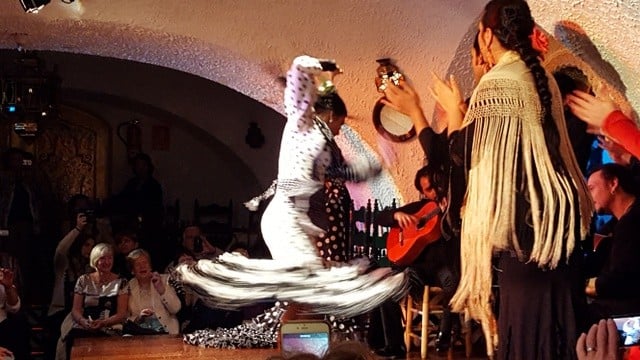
column 99, row 302
column 153, row 304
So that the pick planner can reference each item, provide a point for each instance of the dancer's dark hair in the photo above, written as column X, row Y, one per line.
column 331, row 102
column 512, row 23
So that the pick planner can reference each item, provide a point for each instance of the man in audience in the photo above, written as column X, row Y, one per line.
column 613, row 291
column 126, row 241
column 197, row 244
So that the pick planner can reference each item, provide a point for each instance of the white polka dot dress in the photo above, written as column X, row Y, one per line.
column 286, row 227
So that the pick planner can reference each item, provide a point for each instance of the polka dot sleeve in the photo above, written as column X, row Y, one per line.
column 300, row 93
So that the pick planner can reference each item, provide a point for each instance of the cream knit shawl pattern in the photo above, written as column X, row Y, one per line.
column 508, row 137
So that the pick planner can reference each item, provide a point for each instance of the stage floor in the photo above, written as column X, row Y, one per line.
column 172, row 347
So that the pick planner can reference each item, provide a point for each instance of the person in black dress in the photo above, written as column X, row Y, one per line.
column 525, row 201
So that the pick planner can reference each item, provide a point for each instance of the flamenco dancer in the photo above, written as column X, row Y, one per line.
column 298, row 273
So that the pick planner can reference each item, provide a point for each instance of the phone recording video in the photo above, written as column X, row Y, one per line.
column 628, row 329
column 308, row 337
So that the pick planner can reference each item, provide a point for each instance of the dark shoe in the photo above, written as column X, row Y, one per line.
column 392, row 352
column 443, row 342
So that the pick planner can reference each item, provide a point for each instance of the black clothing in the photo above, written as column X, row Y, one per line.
column 542, row 326
column 438, row 263
column 615, row 286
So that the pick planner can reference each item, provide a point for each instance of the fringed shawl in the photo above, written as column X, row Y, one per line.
column 509, row 155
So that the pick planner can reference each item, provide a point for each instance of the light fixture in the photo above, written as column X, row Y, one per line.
column 29, row 93
column 33, row 6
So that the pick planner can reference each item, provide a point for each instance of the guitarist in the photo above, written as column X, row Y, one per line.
column 434, row 266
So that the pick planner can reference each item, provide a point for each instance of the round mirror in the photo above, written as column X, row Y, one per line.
column 391, row 124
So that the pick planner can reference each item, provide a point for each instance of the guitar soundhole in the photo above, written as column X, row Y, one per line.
column 421, row 223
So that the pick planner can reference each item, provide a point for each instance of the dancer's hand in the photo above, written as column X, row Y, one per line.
column 600, row 343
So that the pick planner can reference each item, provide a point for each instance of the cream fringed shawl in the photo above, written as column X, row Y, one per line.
column 509, row 155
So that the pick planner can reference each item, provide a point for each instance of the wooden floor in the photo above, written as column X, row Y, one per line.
column 172, row 347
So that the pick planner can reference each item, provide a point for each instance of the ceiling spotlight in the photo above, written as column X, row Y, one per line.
column 33, row 6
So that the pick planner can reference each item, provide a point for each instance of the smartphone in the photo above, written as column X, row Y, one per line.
column 628, row 330
column 309, row 337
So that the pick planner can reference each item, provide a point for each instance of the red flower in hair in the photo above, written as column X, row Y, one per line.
column 539, row 41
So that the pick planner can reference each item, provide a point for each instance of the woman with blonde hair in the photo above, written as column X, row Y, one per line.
column 99, row 302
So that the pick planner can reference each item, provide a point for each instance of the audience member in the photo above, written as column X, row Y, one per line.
column 141, row 200
column 20, row 213
column 614, row 192
column 600, row 343
column 604, row 116
column 153, row 304
column 187, row 298
column 70, row 261
column 99, row 302
column 126, row 241
column 194, row 241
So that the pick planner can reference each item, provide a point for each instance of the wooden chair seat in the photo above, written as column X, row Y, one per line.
column 432, row 304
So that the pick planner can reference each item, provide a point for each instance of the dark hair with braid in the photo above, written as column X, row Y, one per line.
column 512, row 24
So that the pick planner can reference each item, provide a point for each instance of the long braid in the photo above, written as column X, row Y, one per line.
column 513, row 29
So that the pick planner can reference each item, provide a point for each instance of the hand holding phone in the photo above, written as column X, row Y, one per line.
column 601, row 342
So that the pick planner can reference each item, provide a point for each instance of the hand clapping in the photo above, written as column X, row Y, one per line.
column 157, row 282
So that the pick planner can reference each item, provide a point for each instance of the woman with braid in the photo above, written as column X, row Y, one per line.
column 525, row 202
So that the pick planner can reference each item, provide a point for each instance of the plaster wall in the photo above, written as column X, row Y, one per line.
column 245, row 45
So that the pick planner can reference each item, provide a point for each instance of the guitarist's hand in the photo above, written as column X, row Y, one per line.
column 404, row 220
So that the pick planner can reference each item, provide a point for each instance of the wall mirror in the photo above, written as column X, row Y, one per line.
column 392, row 125
column 389, row 123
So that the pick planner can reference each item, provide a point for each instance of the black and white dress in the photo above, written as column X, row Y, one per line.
column 297, row 272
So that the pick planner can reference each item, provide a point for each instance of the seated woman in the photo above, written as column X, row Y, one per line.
column 153, row 304
column 99, row 302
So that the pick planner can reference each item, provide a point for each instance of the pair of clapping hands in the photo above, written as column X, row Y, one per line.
column 158, row 284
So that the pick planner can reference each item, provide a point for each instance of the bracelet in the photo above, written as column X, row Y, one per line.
column 78, row 229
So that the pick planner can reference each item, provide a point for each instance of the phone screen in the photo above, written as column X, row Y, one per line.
column 629, row 330
column 308, row 338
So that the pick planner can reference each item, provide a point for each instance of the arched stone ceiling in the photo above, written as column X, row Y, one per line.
column 245, row 45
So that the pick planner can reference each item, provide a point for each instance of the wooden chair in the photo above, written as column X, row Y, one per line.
column 360, row 226
column 216, row 222
column 431, row 304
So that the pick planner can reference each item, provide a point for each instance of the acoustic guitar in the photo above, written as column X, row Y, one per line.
column 404, row 245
